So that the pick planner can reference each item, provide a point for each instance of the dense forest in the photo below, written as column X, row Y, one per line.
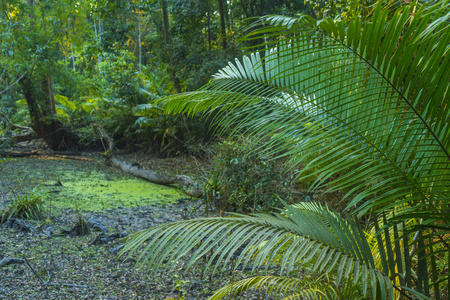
column 312, row 138
column 107, row 61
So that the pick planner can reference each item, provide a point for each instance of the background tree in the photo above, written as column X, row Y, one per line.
column 82, row 44
column 40, row 24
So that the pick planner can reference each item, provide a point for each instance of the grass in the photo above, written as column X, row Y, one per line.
column 29, row 205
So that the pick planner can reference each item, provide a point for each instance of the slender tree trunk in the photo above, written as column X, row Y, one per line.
column 139, row 41
column 11, row 93
column 244, row 9
column 176, row 82
column 71, row 44
column 222, row 24
column 98, row 40
column 259, row 9
column 252, row 8
column 227, row 16
column 209, row 27
column 50, row 94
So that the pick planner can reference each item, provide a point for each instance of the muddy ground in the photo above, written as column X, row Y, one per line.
column 77, row 269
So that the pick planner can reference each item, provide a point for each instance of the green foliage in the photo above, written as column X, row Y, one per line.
column 117, row 78
column 243, row 180
column 27, row 205
column 332, row 252
column 346, row 10
column 362, row 109
column 81, row 226
column 169, row 133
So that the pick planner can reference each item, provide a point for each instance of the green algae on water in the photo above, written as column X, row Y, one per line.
column 98, row 194
column 86, row 185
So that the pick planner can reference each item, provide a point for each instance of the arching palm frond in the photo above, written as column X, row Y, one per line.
column 364, row 109
column 440, row 13
column 305, row 235
column 367, row 103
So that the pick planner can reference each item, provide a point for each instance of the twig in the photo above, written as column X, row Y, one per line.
column 68, row 285
column 46, row 283
column 32, row 269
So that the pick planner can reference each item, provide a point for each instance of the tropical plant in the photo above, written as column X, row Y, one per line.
column 364, row 109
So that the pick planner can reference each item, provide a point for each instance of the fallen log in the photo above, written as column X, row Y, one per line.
column 190, row 187
column 18, row 154
column 148, row 175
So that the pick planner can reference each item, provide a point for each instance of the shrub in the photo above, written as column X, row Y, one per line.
column 244, row 180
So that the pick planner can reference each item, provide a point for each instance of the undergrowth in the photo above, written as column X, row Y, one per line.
column 27, row 205
column 244, row 179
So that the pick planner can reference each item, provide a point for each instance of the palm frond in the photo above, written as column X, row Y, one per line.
column 305, row 234
column 368, row 104
column 364, row 109
column 283, row 287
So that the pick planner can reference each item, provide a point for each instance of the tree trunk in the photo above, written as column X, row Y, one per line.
column 140, row 42
column 50, row 94
column 176, row 82
column 209, row 27
column 244, row 9
column 11, row 94
column 45, row 123
column 227, row 16
column 222, row 24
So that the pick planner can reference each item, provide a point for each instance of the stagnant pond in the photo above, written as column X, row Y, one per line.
column 84, row 183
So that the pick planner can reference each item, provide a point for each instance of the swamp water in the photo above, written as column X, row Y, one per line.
column 85, row 184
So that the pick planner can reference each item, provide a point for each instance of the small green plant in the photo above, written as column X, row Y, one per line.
column 28, row 205
column 81, row 227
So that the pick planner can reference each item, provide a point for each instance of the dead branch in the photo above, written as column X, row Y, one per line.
column 18, row 154
column 47, row 283
column 32, row 270
column 4, row 117
column 104, row 239
column 9, row 261
column 104, row 135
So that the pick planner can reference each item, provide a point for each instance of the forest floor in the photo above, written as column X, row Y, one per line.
column 63, row 266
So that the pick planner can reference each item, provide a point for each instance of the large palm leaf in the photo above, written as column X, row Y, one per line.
column 373, row 94
column 364, row 109
column 305, row 235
